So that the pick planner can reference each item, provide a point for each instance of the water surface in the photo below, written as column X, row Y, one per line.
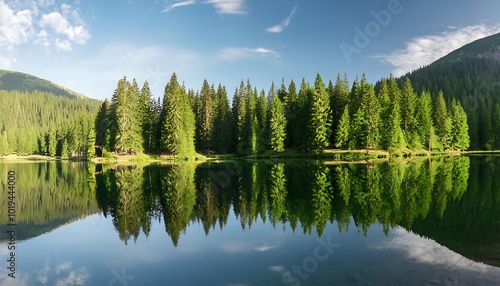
column 418, row 222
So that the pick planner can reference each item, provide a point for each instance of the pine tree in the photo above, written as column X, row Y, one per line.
column 118, row 122
column 408, row 107
column 424, row 118
column 277, row 125
column 223, row 123
column 320, row 119
column 339, row 98
column 101, row 126
column 460, row 129
column 147, row 117
column 290, row 103
column 385, row 112
column 440, row 119
column 133, row 129
column 371, row 108
column 342, row 133
column 262, row 119
column 205, row 117
column 396, row 139
column 177, row 121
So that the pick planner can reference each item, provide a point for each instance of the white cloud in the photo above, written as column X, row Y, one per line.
column 40, row 22
column 229, row 6
column 15, row 27
column 428, row 251
column 233, row 54
column 61, row 26
column 179, row 4
column 422, row 51
column 283, row 24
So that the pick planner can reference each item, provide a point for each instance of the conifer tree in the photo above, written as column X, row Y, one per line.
column 177, row 121
column 147, row 117
column 342, row 133
column 425, row 128
column 396, row 139
column 290, row 103
column 277, row 125
column 371, row 108
column 205, row 117
column 460, row 129
column 339, row 98
column 408, row 108
column 320, row 118
column 440, row 116
column 223, row 122
column 102, row 126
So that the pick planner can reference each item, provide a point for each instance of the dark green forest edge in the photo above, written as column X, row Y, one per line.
column 285, row 121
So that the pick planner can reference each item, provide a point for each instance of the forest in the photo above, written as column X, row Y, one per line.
column 308, row 118
column 42, row 123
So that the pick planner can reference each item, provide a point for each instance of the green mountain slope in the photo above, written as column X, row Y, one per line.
column 470, row 74
column 10, row 80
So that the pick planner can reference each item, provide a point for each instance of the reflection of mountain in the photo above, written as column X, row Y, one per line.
column 48, row 196
column 470, row 225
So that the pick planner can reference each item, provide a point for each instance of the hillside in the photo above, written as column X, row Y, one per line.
column 16, row 81
column 470, row 74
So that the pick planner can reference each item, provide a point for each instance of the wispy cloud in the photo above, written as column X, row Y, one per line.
column 229, row 6
column 233, row 54
column 424, row 50
column 179, row 4
column 283, row 24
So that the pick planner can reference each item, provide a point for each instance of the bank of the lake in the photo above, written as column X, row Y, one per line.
column 328, row 155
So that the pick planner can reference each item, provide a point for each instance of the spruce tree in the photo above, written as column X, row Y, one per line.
column 396, row 139
column 371, row 108
column 102, row 126
column 408, row 108
column 277, row 125
column 177, row 121
column 147, row 117
column 320, row 118
column 440, row 117
column 223, row 123
column 205, row 117
column 460, row 129
column 424, row 117
column 342, row 133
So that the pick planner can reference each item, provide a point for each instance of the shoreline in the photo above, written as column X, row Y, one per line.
column 329, row 156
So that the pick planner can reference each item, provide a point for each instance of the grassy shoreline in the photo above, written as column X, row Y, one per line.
column 329, row 156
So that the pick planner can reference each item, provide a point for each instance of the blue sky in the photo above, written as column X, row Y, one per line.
column 88, row 46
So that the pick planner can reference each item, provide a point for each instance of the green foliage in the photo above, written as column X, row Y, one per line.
column 371, row 109
column 343, row 134
column 320, row 118
column 177, row 121
column 460, row 130
column 36, row 123
column 277, row 125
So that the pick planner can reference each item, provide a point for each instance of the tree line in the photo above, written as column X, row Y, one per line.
column 42, row 123
column 308, row 119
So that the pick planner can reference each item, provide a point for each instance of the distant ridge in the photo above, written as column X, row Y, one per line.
column 484, row 48
column 11, row 80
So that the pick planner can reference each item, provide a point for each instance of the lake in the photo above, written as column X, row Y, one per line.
column 403, row 222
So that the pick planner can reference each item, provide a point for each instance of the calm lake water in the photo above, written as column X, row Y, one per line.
column 418, row 222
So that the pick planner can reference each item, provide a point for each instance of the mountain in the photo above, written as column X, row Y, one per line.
column 471, row 74
column 11, row 80
column 486, row 48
